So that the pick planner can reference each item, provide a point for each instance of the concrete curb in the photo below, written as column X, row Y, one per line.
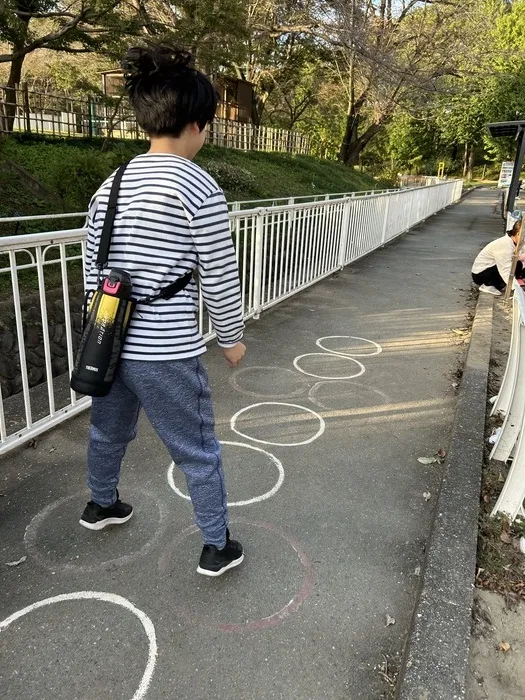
column 436, row 656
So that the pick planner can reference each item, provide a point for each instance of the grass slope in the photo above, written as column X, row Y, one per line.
column 74, row 169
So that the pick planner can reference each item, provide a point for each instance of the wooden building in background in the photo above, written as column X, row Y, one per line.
column 235, row 96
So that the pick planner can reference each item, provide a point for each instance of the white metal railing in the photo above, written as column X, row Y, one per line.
column 280, row 251
column 276, row 201
column 510, row 403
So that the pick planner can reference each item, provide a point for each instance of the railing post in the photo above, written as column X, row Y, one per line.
column 345, row 229
column 90, row 117
column 385, row 221
column 258, row 264
column 27, row 112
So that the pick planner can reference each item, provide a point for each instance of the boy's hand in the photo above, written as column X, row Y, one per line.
column 235, row 354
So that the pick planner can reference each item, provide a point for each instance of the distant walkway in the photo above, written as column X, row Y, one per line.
column 333, row 507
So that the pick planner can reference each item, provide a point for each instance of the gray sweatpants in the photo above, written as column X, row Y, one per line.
column 176, row 398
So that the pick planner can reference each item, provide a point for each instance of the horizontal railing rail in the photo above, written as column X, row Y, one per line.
column 233, row 206
column 280, row 250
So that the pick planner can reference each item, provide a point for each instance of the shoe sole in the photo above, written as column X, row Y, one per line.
column 104, row 523
column 214, row 574
column 494, row 294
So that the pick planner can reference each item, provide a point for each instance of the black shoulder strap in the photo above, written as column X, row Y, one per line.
column 105, row 240
column 170, row 289
column 109, row 219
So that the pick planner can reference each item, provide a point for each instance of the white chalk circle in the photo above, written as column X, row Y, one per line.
column 147, row 624
column 358, row 373
column 253, row 381
column 376, row 348
column 255, row 499
column 341, row 395
column 31, row 537
column 320, row 431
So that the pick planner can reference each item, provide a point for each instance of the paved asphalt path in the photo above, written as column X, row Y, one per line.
column 330, row 554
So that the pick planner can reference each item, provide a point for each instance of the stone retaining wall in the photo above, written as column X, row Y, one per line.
column 10, row 375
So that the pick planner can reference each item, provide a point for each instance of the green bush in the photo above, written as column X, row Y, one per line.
column 228, row 176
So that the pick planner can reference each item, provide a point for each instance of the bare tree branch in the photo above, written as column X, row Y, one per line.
column 48, row 38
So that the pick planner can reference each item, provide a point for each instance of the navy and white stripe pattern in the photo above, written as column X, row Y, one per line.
column 171, row 217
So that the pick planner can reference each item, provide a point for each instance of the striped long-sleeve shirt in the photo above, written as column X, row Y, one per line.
column 171, row 218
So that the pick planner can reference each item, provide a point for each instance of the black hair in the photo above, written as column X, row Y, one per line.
column 514, row 231
column 166, row 91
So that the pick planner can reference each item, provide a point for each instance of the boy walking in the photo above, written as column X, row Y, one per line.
column 171, row 219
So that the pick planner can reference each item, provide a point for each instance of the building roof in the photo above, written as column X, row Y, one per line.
column 505, row 128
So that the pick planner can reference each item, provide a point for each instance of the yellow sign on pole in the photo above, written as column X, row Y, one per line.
column 441, row 169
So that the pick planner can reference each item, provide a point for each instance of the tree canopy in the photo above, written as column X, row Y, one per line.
column 392, row 84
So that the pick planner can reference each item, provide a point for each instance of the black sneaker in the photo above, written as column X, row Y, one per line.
column 215, row 561
column 96, row 517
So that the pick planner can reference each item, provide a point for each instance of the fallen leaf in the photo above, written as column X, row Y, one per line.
column 505, row 537
column 52, row 449
column 428, row 460
column 504, row 647
column 16, row 563
column 441, row 453
column 427, row 496
column 390, row 620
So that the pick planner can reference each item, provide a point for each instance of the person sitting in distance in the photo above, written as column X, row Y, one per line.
column 492, row 266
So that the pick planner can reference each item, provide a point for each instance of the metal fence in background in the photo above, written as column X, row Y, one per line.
column 419, row 180
column 281, row 250
column 31, row 112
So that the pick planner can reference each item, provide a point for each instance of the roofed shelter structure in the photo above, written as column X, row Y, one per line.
column 516, row 130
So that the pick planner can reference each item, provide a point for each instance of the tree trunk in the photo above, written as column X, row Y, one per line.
column 352, row 116
column 15, row 73
column 471, row 159
column 256, row 110
column 465, row 160
column 354, row 149
column 350, row 138
column 258, row 105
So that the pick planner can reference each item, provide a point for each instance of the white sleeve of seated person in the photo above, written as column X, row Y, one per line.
column 218, row 271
